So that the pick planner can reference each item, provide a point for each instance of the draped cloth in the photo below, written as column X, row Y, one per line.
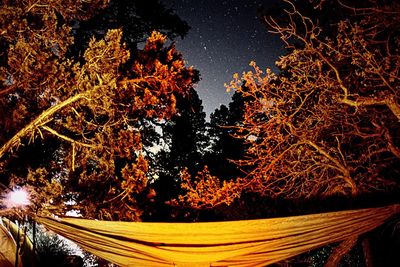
column 231, row 243
column 8, row 249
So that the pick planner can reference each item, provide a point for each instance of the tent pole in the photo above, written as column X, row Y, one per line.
column 17, row 250
column 34, row 236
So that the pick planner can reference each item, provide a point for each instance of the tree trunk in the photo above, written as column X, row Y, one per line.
column 366, row 245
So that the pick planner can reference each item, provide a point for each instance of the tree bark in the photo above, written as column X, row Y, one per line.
column 366, row 245
column 341, row 250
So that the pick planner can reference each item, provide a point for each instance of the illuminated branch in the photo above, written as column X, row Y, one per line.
column 390, row 144
column 389, row 101
column 7, row 90
column 339, row 166
column 15, row 141
column 63, row 137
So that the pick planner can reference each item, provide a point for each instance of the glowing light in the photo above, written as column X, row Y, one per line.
column 17, row 198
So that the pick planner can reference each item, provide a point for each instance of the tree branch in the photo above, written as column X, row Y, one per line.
column 63, row 137
column 339, row 166
column 15, row 141
column 389, row 101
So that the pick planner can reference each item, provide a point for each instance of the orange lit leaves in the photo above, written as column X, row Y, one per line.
column 135, row 177
column 206, row 190
column 92, row 106
column 157, row 75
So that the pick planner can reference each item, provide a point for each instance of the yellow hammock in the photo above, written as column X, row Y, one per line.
column 233, row 243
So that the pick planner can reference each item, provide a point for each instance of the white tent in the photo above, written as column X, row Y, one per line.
column 8, row 249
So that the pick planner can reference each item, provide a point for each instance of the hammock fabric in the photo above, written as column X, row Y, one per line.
column 8, row 249
column 235, row 243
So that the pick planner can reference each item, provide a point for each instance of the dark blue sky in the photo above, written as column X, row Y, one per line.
column 224, row 37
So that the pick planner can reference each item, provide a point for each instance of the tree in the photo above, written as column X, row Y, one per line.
column 88, row 112
column 185, row 135
column 137, row 19
column 52, row 250
column 184, row 144
column 226, row 146
column 329, row 123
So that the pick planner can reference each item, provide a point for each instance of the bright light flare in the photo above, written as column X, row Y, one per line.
column 17, row 198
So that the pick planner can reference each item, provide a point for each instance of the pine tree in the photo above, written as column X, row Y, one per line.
column 226, row 146
column 85, row 114
column 184, row 145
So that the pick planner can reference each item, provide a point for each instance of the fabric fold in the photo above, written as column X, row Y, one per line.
column 231, row 243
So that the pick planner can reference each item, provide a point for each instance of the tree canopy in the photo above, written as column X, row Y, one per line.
column 88, row 112
column 137, row 19
column 328, row 123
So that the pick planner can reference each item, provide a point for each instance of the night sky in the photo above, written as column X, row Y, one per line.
column 224, row 37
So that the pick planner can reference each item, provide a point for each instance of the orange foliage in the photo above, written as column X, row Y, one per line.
column 205, row 191
column 329, row 123
column 93, row 105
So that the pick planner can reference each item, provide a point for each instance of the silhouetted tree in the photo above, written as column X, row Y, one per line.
column 52, row 250
column 184, row 145
column 226, row 147
column 185, row 134
column 137, row 19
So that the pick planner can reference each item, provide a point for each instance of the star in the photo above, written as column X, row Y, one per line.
column 225, row 37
